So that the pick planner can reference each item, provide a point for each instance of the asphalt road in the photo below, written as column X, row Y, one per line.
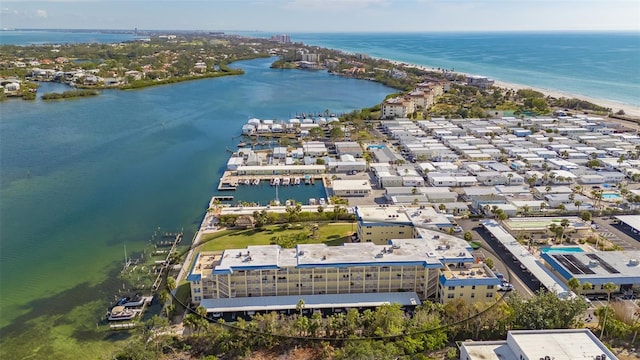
column 522, row 281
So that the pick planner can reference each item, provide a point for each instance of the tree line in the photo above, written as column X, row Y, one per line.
column 387, row 332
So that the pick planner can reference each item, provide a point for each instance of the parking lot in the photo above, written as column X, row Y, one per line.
column 619, row 235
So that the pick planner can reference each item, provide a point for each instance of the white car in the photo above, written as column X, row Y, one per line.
column 505, row 286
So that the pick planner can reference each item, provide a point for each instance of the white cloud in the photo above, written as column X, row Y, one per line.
column 42, row 14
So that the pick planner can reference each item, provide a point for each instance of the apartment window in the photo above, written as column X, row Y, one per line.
column 489, row 287
column 473, row 287
column 197, row 298
column 450, row 296
column 473, row 295
column 489, row 295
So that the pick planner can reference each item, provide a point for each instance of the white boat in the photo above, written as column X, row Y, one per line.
column 322, row 201
column 131, row 300
column 247, row 182
column 286, row 181
column 275, row 181
column 256, row 181
column 118, row 313
column 296, row 181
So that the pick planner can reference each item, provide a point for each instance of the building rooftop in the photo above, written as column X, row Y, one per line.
column 561, row 344
column 325, row 301
column 342, row 185
column 597, row 267
column 521, row 254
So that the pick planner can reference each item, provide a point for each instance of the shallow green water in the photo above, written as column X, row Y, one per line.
column 81, row 178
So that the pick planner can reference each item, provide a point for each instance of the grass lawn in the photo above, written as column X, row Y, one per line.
column 328, row 233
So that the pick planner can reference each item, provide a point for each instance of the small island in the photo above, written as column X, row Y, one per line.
column 70, row 94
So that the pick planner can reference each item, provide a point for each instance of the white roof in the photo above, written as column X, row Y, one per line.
column 631, row 220
column 537, row 269
column 326, row 301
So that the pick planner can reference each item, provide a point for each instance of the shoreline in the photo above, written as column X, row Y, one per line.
column 630, row 110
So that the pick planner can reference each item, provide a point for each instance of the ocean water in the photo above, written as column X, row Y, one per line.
column 34, row 37
column 597, row 65
column 80, row 178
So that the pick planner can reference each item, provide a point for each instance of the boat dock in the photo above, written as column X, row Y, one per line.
column 123, row 326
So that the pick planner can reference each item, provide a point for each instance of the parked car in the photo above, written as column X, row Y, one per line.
column 505, row 286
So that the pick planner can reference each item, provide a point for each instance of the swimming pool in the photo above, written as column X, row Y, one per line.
column 611, row 196
column 567, row 249
column 376, row 146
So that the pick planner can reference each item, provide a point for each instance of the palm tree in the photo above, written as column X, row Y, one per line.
column 577, row 203
column 300, row 306
column 574, row 285
column 564, row 224
column 609, row 288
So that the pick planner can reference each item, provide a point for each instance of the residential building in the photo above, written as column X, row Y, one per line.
column 348, row 188
column 402, row 265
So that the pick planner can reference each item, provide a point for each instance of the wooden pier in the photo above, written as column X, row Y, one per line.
column 123, row 326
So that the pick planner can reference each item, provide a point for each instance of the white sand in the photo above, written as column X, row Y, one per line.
column 613, row 105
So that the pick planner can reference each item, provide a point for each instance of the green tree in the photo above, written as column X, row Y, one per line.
column 545, row 311
column 468, row 236
column 489, row 262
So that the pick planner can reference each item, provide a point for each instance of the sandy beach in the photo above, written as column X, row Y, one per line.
column 613, row 105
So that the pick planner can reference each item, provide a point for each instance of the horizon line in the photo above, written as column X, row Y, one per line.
column 336, row 31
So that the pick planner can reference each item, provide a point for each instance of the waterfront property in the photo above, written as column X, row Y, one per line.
column 351, row 187
column 429, row 263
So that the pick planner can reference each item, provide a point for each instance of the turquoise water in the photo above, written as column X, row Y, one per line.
column 59, row 37
column 561, row 250
column 609, row 196
column 602, row 65
column 80, row 178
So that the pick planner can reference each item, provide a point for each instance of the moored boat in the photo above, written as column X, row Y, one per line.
column 131, row 300
column 118, row 313
column 296, row 181
column 286, row 181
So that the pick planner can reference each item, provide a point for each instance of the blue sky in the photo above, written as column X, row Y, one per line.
column 324, row 15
